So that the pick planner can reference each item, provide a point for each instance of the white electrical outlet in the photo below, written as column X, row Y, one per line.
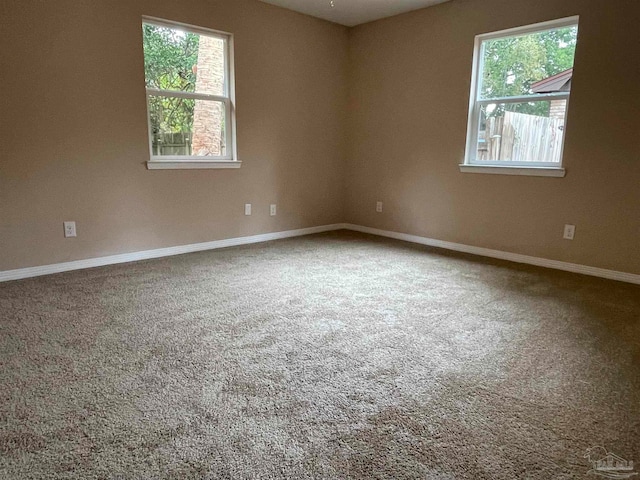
column 569, row 232
column 379, row 207
column 273, row 210
column 70, row 229
column 247, row 209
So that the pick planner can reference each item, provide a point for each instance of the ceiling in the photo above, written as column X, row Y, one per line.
column 353, row 12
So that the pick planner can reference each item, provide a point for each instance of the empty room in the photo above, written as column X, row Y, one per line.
column 319, row 239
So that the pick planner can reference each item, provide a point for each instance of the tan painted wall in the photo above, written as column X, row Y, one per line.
column 409, row 100
column 74, row 135
column 73, row 132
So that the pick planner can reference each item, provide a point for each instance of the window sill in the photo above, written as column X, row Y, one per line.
column 513, row 170
column 191, row 164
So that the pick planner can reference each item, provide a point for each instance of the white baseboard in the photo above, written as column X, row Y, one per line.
column 513, row 257
column 232, row 242
column 160, row 252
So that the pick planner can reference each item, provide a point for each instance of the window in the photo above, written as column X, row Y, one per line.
column 189, row 83
column 519, row 98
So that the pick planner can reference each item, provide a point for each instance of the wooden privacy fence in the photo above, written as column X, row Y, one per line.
column 519, row 137
column 172, row 143
column 167, row 143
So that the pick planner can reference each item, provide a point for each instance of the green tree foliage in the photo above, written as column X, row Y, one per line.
column 513, row 64
column 170, row 60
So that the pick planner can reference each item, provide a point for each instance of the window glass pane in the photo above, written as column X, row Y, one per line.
column 184, row 126
column 183, row 61
column 524, row 65
column 521, row 132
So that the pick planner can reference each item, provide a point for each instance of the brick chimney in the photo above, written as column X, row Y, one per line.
column 208, row 138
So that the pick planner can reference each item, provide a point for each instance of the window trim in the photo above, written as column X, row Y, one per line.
column 230, row 160
column 470, row 164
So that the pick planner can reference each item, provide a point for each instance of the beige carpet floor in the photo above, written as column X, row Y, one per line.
column 337, row 355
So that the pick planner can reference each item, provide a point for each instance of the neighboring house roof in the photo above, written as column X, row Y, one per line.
column 560, row 82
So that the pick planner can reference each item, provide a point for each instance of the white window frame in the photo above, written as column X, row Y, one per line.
column 230, row 160
column 471, row 164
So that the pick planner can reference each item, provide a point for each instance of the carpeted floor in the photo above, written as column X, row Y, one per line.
column 337, row 355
